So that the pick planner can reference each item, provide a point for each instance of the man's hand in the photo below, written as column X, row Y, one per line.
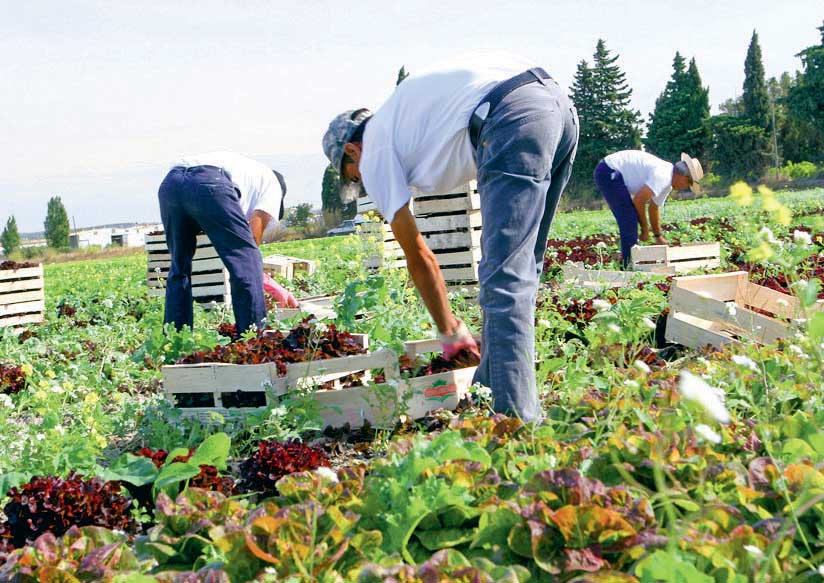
column 280, row 293
column 459, row 340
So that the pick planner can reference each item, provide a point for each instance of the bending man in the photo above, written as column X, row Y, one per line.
column 507, row 123
column 232, row 199
column 633, row 182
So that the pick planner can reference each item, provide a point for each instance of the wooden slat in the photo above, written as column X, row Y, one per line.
column 209, row 290
column 721, row 286
column 37, row 306
column 460, row 274
column 695, row 333
column 458, row 240
column 428, row 206
column 769, row 300
column 201, row 265
column 692, row 251
column 24, row 319
column 158, row 242
column 415, row 348
column 691, row 265
column 377, row 404
column 469, row 220
column 20, row 285
column 27, row 296
column 209, row 377
column 23, row 273
column 201, row 253
column 470, row 256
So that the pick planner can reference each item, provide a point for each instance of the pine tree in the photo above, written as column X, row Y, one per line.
column 57, row 224
column 10, row 239
column 679, row 121
column 607, row 124
column 755, row 98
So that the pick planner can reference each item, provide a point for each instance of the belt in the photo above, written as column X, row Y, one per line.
column 494, row 97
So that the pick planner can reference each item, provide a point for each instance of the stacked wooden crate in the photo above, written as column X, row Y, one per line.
column 451, row 226
column 210, row 278
column 22, row 297
column 727, row 308
column 679, row 259
column 286, row 266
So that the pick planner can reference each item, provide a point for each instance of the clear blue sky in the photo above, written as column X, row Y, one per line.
column 97, row 98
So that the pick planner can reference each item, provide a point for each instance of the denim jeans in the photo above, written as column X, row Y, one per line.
column 525, row 155
column 615, row 192
column 203, row 198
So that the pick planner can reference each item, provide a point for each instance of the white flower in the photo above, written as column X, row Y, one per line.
column 483, row 392
column 327, row 474
column 767, row 234
column 648, row 323
column 732, row 309
column 5, row 401
column 802, row 238
column 753, row 550
column 745, row 361
column 108, row 303
column 798, row 351
column 544, row 323
column 631, row 383
column 601, row 305
column 707, row 433
column 601, row 245
column 695, row 389
column 642, row 366
column 821, row 569
column 703, row 361
column 614, row 327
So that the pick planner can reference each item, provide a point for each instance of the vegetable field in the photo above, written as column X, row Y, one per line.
column 655, row 462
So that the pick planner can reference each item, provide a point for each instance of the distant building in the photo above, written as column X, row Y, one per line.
column 119, row 236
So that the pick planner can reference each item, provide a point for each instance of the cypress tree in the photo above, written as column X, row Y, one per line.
column 755, row 99
column 56, row 224
column 330, row 200
column 601, row 95
column 10, row 239
column 667, row 127
column 806, row 98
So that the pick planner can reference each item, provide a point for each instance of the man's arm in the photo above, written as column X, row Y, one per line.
column 640, row 201
column 425, row 271
column 655, row 223
column 258, row 224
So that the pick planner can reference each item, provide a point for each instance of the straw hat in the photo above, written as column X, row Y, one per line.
column 695, row 170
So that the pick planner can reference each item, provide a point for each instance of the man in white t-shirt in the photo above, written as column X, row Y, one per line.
column 232, row 199
column 505, row 122
column 636, row 184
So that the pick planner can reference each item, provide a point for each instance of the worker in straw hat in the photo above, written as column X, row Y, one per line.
column 506, row 122
column 636, row 184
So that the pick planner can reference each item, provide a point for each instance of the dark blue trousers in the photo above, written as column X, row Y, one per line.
column 203, row 198
column 615, row 192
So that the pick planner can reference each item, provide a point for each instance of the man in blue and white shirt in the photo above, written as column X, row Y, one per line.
column 488, row 116
column 232, row 199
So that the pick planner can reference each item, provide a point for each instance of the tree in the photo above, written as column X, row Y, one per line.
column 301, row 215
column 10, row 239
column 739, row 150
column 800, row 139
column 330, row 199
column 806, row 99
column 679, row 121
column 601, row 95
column 402, row 74
column 57, row 224
column 755, row 98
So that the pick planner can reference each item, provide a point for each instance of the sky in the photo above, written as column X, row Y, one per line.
column 98, row 98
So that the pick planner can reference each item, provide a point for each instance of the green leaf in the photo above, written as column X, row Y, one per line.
column 816, row 327
column 795, row 449
column 214, row 451
column 495, row 527
column 12, row 480
column 172, row 475
column 135, row 470
column 809, row 293
column 435, row 540
column 667, row 567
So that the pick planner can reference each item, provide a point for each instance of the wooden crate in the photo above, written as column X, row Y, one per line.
column 423, row 395
column 210, row 278
column 22, row 297
column 722, row 308
column 216, row 387
column 681, row 259
column 286, row 267
column 322, row 307
column 575, row 274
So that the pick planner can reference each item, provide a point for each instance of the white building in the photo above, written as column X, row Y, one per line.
column 119, row 236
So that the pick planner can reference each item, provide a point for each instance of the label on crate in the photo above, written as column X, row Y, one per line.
column 440, row 391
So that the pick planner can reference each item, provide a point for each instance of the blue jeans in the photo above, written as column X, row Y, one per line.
column 203, row 198
column 615, row 192
column 525, row 155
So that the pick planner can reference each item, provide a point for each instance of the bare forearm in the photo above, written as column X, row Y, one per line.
column 655, row 218
column 642, row 216
column 425, row 272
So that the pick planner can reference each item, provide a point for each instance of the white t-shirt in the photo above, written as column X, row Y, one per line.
column 641, row 168
column 259, row 187
column 419, row 137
